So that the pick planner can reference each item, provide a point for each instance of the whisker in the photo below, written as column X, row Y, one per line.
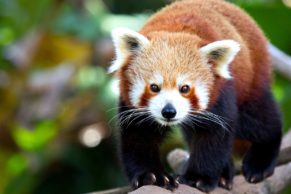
column 128, row 112
column 206, row 115
column 138, row 116
column 145, row 119
column 194, row 120
column 116, row 108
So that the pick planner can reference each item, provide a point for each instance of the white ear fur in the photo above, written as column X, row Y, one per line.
column 222, row 53
column 126, row 42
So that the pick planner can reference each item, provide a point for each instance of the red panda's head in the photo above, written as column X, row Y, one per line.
column 170, row 74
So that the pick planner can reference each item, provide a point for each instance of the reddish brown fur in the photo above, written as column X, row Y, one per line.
column 173, row 60
column 147, row 94
column 241, row 147
column 192, row 97
column 216, row 20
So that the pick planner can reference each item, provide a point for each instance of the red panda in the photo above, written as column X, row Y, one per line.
column 202, row 65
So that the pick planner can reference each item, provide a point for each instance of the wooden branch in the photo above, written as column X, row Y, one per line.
column 121, row 190
column 281, row 61
column 274, row 184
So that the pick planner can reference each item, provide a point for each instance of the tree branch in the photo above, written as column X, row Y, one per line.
column 274, row 184
column 281, row 61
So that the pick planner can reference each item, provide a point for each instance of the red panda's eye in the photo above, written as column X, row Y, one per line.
column 185, row 89
column 155, row 88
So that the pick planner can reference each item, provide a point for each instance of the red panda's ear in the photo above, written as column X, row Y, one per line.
column 221, row 53
column 126, row 42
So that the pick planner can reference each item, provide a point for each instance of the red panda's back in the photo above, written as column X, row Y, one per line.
column 216, row 20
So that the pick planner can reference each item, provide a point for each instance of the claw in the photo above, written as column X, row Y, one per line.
column 136, row 183
column 166, row 180
column 150, row 179
column 161, row 179
column 225, row 184
column 198, row 184
column 222, row 182
column 252, row 179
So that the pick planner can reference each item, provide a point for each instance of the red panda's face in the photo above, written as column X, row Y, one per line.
column 169, row 97
column 168, row 75
column 169, row 79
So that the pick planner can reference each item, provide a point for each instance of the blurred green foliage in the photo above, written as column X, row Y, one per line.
column 53, row 85
column 34, row 139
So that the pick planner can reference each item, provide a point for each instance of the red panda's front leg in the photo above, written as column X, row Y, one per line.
column 210, row 143
column 139, row 150
column 209, row 162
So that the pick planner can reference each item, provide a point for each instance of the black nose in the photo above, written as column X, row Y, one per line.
column 169, row 111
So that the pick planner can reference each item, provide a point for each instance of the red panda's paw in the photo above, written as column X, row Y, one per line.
column 259, row 164
column 204, row 184
column 225, row 183
column 254, row 173
column 226, row 178
column 159, row 179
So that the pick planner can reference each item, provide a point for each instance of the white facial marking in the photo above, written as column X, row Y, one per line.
column 157, row 79
column 224, row 53
column 136, row 91
column 202, row 94
column 181, row 80
column 120, row 37
column 181, row 105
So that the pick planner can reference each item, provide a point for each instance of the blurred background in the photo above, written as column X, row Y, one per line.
column 57, row 103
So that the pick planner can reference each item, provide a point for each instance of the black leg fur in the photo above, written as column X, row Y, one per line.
column 140, row 151
column 226, row 177
column 210, row 146
column 260, row 124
